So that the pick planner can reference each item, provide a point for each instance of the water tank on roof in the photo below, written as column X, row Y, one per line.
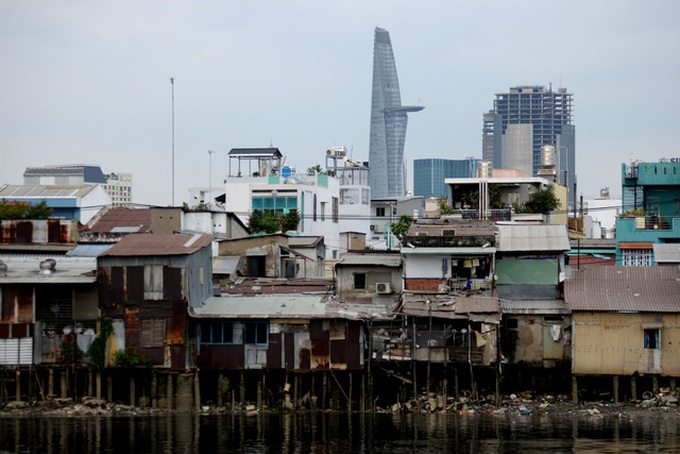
column 547, row 156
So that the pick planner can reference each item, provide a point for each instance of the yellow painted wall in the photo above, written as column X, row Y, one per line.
column 613, row 344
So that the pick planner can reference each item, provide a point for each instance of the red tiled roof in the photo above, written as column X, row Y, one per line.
column 146, row 244
column 624, row 288
column 636, row 245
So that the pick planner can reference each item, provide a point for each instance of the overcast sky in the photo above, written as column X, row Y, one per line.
column 88, row 82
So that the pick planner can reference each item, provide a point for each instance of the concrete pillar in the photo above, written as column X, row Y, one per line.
column 98, row 384
column 574, row 389
column 673, row 384
column 242, row 389
column 197, row 392
column 633, row 388
column 655, row 384
column 615, row 388
column 184, row 395
column 170, row 391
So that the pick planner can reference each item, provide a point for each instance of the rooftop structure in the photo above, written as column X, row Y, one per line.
column 429, row 174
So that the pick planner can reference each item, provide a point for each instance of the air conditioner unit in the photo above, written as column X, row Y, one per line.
column 383, row 288
column 372, row 227
column 336, row 151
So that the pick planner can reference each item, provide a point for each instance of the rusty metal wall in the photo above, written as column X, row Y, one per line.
column 17, row 304
column 40, row 231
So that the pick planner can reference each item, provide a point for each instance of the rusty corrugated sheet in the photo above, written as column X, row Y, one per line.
column 17, row 304
column 148, row 244
column 624, row 288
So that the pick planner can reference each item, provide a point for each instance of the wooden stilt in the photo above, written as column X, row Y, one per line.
column 109, row 388
column 50, row 382
column 323, row 390
column 17, row 381
column 673, row 384
column 242, row 390
column 64, row 384
column 133, row 391
column 98, row 384
column 574, row 389
column 154, row 391
column 220, row 390
column 89, row 383
column 655, row 384
column 349, row 394
column 259, row 394
column 170, row 391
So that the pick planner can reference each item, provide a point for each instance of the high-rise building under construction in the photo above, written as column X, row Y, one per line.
column 525, row 119
column 388, row 123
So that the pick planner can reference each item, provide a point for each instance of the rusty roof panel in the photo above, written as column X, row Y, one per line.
column 149, row 244
column 451, row 306
column 116, row 218
column 624, row 289
column 272, row 286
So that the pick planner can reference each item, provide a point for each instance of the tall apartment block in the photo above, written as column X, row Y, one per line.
column 525, row 119
column 429, row 174
column 119, row 187
column 388, row 123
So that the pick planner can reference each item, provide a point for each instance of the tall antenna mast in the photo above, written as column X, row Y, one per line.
column 210, row 153
column 172, row 88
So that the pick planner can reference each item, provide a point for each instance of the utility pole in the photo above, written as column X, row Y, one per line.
column 210, row 153
column 172, row 90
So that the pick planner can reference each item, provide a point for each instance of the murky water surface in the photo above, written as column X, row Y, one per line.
column 320, row 432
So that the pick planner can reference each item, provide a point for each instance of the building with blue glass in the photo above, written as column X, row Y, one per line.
column 388, row 123
column 429, row 174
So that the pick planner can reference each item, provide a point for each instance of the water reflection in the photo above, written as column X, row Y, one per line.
column 321, row 432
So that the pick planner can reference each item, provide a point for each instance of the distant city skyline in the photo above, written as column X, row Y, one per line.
column 89, row 83
column 388, row 123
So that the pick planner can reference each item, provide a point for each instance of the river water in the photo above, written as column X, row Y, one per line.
column 321, row 432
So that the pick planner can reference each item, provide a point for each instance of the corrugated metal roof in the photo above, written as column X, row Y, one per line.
column 360, row 311
column 624, row 288
column 89, row 250
column 451, row 306
column 532, row 237
column 370, row 259
column 448, row 250
column 593, row 243
column 534, row 307
column 666, row 253
column 25, row 269
column 113, row 220
column 304, row 241
column 225, row 265
column 14, row 191
column 278, row 306
column 146, row 244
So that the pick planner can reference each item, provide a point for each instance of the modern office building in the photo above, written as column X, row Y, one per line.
column 429, row 174
column 522, row 121
column 388, row 123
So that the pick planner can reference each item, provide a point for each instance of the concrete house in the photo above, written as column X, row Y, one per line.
column 625, row 326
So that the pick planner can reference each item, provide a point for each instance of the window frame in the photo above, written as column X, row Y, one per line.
column 260, row 335
column 226, row 332
column 358, row 278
